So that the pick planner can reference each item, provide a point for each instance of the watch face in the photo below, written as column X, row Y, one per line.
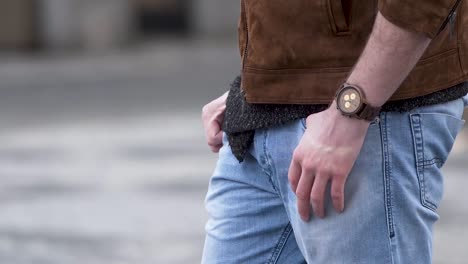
column 349, row 100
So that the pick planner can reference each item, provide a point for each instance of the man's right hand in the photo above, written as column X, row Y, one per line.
column 212, row 117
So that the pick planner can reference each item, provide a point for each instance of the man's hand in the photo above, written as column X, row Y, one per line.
column 212, row 117
column 332, row 142
column 326, row 152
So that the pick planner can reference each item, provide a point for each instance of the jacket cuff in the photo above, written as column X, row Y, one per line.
column 424, row 16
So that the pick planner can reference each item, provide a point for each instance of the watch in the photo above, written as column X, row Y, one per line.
column 351, row 102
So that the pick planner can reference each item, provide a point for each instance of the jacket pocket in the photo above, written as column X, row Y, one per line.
column 339, row 15
column 433, row 136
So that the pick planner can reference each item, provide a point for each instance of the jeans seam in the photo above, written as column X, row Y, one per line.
column 387, row 175
column 387, row 184
column 280, row 244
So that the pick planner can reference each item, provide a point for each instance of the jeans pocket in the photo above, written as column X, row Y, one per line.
column 433, row 136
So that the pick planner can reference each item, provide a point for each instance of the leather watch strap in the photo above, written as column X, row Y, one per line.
column 368, row 113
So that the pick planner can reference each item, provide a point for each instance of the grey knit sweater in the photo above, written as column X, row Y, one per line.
column 242, row 118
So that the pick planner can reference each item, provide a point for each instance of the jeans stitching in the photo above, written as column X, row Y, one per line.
column 419, row 152
column 280, row 244
column 421, row 162
column 387, row 175
column 428, row 163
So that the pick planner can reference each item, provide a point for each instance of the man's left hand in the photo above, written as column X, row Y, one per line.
column 327, row 152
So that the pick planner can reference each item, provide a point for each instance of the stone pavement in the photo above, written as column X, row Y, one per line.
column 103, row 160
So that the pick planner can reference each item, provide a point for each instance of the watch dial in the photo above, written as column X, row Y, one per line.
column 349, row 100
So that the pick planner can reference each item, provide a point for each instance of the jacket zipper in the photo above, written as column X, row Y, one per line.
column 450, row 19
column 452, row 24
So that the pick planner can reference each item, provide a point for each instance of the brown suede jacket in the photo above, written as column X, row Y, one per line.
column 300, row 51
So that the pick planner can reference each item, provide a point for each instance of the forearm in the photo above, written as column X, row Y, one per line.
column 389, row 56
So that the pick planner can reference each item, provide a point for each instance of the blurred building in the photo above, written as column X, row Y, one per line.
column 102, row 24
column 17, row 24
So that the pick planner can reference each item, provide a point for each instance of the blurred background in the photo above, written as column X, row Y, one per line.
column 102, row 152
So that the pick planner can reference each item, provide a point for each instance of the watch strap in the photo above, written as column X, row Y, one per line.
column 368, row 112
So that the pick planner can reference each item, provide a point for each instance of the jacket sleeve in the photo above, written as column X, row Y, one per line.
column 425, row 16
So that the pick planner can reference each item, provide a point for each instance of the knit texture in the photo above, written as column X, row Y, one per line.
column 242, row 118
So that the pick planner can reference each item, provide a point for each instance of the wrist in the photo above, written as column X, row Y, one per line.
column 350, row 100
column 334, row 115
column 337, row 116
column 373, row 96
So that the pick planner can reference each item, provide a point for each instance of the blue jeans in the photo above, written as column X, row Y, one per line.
column 391, row 196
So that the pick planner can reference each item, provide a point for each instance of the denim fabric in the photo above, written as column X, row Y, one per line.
column 392, row 195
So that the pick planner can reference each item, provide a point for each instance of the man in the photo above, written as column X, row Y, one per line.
column 336, row 131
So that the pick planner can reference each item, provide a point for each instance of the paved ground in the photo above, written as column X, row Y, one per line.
column 93, row 171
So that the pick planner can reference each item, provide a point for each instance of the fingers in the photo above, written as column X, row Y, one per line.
column 212, row 117
column 216, row 149
column 218, row 138
column 337, row 193
column 301, row 181
column 317, row 197
column 214, row 136
column 303, row 194
column 310, row 187
column 294, row 174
